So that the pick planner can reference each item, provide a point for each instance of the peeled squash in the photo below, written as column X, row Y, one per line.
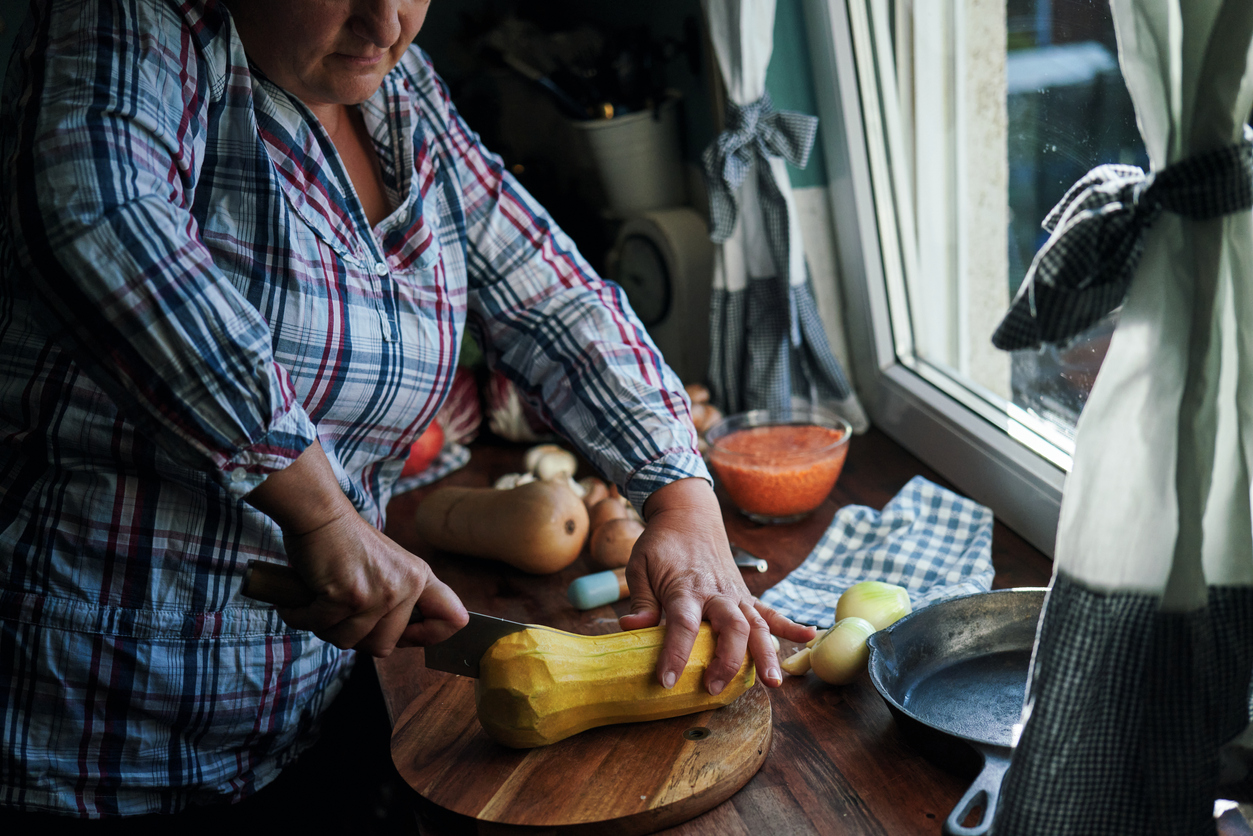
column 540, row 685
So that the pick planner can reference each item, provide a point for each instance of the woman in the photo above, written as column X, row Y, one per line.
column 240, row 249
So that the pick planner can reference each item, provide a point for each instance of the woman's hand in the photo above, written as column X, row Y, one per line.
column 366, row 584
column 681, row 566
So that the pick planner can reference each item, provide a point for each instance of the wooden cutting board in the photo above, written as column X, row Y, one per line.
column 626, row 779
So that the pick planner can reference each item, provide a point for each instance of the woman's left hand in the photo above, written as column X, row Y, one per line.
column 682, row 567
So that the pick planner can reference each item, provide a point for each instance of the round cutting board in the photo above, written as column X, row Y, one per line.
column 632, row 778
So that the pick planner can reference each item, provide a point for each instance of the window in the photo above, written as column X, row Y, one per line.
column 951, row 130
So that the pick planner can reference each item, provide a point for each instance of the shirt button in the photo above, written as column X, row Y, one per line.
column 239, row 474
column 380, row 269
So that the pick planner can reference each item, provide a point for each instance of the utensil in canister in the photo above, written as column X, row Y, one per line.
column 953, row 674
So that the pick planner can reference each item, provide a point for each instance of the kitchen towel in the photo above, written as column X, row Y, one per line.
column 929, row 540
column 453, row 457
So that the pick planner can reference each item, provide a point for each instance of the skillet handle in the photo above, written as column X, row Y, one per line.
column 985, row 791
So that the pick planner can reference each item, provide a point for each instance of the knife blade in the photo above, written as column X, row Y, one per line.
column 459, row 653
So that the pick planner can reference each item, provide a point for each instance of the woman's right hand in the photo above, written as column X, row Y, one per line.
column 366, row 585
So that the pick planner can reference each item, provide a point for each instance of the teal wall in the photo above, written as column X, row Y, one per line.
column 791, row 84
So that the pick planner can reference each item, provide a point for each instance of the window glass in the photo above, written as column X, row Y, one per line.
column 980, row 115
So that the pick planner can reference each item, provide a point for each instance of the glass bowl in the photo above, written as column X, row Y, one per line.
column 778, row 465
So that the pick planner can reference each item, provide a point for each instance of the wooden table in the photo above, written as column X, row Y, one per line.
column 837, row 764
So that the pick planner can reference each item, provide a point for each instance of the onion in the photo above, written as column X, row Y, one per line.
column 798, row 663
column 594, row 490
column 879, row 603
column 841, row 653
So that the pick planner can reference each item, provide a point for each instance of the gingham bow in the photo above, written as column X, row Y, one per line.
column 752, row 129
column 1096, row 238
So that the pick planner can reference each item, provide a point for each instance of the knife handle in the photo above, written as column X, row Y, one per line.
column 282, row 587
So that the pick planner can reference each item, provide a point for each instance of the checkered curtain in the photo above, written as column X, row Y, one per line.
column 767, row 343
column 1141, row 671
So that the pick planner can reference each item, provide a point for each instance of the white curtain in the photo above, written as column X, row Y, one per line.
column 767, row 341
column 1142, row 663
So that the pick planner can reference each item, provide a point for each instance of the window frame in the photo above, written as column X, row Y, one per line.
column 985, row 458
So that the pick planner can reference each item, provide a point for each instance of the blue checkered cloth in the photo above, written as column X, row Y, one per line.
column 929, row 540
column 453, row 457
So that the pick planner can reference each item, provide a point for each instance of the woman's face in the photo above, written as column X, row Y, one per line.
column 327, row 52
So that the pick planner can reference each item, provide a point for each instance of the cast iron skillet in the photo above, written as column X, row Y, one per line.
column 953, row 675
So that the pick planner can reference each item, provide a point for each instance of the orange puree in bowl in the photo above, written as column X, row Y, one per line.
column 779, row 471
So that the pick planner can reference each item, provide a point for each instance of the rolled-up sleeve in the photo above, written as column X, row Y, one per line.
column 112, row 136
column 565, row 336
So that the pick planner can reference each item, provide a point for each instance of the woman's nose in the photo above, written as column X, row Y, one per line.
column 377, row 21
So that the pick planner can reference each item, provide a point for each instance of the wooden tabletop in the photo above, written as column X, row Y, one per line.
column 838, row 764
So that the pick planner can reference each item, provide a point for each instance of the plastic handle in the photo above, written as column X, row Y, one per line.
column 591, row 591
column 985, row 791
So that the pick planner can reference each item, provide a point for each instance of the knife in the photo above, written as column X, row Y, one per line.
column 744, row 560
column 459, row 653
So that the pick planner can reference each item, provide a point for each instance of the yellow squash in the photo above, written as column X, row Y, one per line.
column 540, row 685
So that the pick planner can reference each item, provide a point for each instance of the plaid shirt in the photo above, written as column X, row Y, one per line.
column 190, row 294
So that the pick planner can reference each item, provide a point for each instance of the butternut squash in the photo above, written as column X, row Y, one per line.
column 539, row 527
column 541, row 685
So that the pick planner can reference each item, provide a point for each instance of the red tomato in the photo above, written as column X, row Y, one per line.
column 424, row 450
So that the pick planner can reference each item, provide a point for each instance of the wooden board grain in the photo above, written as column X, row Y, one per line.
column 625, row 779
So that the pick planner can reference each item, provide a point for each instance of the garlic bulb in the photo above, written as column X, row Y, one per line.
column 556, row 464
column 532, row 457
column 512, row 480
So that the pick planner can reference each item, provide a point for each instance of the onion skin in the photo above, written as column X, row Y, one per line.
column 882, row 604
column 596, row 490
column 841, row 654
column 697, row 392
column 609, row 508
column 798, row 663
column 612, row 542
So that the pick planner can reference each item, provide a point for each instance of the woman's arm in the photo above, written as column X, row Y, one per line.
column 108, row 145
column 366, row 585
column 682, row 567
column 108, row 151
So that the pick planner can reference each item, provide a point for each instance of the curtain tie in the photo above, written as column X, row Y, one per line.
column 754, row 129
column 1097, row 233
